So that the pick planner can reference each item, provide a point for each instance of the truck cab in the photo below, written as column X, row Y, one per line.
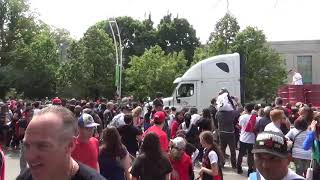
column 202, row 82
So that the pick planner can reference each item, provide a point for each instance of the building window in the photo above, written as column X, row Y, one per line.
column 185, row 90
column 305, row 68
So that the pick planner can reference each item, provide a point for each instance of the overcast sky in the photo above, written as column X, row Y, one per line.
column 279, row 19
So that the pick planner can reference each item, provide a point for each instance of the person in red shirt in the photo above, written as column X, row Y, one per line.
column 180, row 161
column 179, row 118
column 158, row 120
column 87, row 147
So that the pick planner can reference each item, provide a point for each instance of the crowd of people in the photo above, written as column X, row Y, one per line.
column 79, row 139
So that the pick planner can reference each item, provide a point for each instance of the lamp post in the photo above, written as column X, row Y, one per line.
column 113, row 21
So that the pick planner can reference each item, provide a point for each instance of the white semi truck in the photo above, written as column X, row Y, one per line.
column 202, row 82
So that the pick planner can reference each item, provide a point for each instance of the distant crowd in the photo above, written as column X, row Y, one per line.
column 80, row 139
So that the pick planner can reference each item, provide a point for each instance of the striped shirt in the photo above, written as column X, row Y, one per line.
column 297, row 150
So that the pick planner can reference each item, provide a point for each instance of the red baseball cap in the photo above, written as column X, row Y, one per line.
column 56, row 101
column 159, row 117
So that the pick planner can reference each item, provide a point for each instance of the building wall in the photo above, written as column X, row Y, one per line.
column 290, row 50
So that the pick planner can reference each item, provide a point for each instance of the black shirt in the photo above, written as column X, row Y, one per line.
column 146, row 170
column 84, row 173
column 129, row 135
column 261, row 124
column 204, row 124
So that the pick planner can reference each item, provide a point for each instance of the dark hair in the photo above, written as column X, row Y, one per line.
column 278, row 101
column 103, row 107
column 185, row 109
column 249, row 107
column 301, row 124
column 187, row 119
column 112, row 145
column 213, row 101
column 128, row 118
column 177, row 115
column 256, row 107
column 36, row 104
column 173, row 109
column 134, row 105
column 151, row 147
column 207, row 137
column 193, row 110
column 71, row 108
column 166, row 108
column 288, row 106
column 206, row 113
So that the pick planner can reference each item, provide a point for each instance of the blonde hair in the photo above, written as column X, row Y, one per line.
column 136, row 111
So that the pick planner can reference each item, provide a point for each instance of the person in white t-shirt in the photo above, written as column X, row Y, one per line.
column 195, row 117
column 276, row 116
column 297, row 78
column 247, row 123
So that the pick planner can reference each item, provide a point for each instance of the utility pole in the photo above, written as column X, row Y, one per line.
column 118, row 49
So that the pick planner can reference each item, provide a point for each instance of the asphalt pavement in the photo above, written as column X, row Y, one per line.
column 13, row 168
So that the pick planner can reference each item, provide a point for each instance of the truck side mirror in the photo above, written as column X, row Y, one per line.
column 178, row 100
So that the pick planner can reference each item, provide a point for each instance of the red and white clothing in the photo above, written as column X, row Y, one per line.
column 246, row 136
column 182, row 167
column 163, row 138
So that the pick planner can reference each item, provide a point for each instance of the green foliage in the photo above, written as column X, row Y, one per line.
column 175, row 35
column 154, row 71
column 89, row 71
column 264, row 72
column 223, row 37
column 136, row 36
column 33, row 71
column 201, row 53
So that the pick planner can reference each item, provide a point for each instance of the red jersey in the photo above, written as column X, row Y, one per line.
column 87, row 153
column 164, row 143
column 174, row 129
column 183, row 167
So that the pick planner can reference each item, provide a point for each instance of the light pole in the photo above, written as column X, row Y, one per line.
column 118, row 54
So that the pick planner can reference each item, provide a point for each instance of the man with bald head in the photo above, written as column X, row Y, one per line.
column 49, row 140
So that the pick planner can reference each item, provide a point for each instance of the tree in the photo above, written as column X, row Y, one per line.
column 264, row 72
column 175, row 35
column 63, row 40
column 33, row 71
column 89, row 71
column 223, row 37
column 68, row 76
column 154, row 71
column 201, row 53
column 17, row 26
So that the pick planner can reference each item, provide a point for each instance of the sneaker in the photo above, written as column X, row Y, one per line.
column 239, row 170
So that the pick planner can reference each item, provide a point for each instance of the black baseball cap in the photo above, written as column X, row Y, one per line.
column 271, row 143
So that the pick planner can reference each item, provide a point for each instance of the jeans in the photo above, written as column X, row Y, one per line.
column 245, row 148
column 301, row 166
column 23, row 162
column 227, row 139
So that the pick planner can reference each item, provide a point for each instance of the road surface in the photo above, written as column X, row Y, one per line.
column 13, row 169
